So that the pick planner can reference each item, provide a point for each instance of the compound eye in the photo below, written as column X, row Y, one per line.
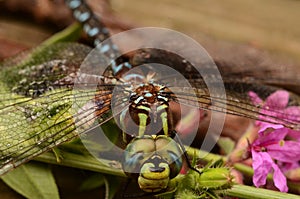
column 176, row 165
column 132, row 164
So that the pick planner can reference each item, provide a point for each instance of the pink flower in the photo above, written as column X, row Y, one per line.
column 272, row 146
column 277, row 149
column 262, row 165
column 275, row 106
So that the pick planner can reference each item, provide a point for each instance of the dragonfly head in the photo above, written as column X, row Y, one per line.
column 153, row 161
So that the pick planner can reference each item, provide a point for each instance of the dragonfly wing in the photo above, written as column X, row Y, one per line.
column 236, row 81
column 236, row 102
column 41, row 108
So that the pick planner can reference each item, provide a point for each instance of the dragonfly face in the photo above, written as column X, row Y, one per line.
column 153, row 161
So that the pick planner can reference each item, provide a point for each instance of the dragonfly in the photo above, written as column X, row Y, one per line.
column 48, row 98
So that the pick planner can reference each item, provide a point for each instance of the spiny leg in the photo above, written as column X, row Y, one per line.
column 177, row 138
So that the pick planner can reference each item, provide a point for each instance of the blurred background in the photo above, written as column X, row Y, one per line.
column 245, row 26
column 271, row 24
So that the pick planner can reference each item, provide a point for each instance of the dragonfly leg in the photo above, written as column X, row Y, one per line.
column 177, row 138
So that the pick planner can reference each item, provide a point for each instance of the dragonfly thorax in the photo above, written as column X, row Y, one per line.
column 149, row 109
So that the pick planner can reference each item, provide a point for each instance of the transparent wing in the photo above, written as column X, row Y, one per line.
column 39, row 106
column 238, row 82
column 237, row 102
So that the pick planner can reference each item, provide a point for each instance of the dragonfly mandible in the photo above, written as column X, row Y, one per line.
column 37, row 97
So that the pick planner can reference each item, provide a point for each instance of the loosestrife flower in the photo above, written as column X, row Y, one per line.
column 275, row 106
column 277, row 148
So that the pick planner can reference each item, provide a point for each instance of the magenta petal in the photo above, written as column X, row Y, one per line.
column 286, row 166
column 294, row 110
column 262, row 164
column 261, row 168
column 288, row 151
column 278, row 99
column 255, row 98
column 264, row 125
column 265, row 139
column 292, row 113
column 294, row 134
column 279, row 179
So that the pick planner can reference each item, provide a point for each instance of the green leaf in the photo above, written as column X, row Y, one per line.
column 84, row 162
column 243, row 191
column 94, row 181
column 32, row 180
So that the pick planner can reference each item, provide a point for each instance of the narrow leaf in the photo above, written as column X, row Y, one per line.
column 33, row 180
column 93, row 182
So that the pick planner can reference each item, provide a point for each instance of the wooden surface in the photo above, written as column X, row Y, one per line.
column 252, row 35
column 270, row 24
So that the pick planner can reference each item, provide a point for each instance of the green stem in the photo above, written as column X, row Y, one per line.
column 81, row 162
column 205, row 156
column 243, row 191
column 71, row 33
column 247, row 170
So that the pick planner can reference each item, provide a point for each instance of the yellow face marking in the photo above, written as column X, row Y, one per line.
column 147, row 173
column 142, row 123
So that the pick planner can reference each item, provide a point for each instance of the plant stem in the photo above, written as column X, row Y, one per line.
column 243, row 191
column 71, row 33
column 82, row 162
column 204, row 155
